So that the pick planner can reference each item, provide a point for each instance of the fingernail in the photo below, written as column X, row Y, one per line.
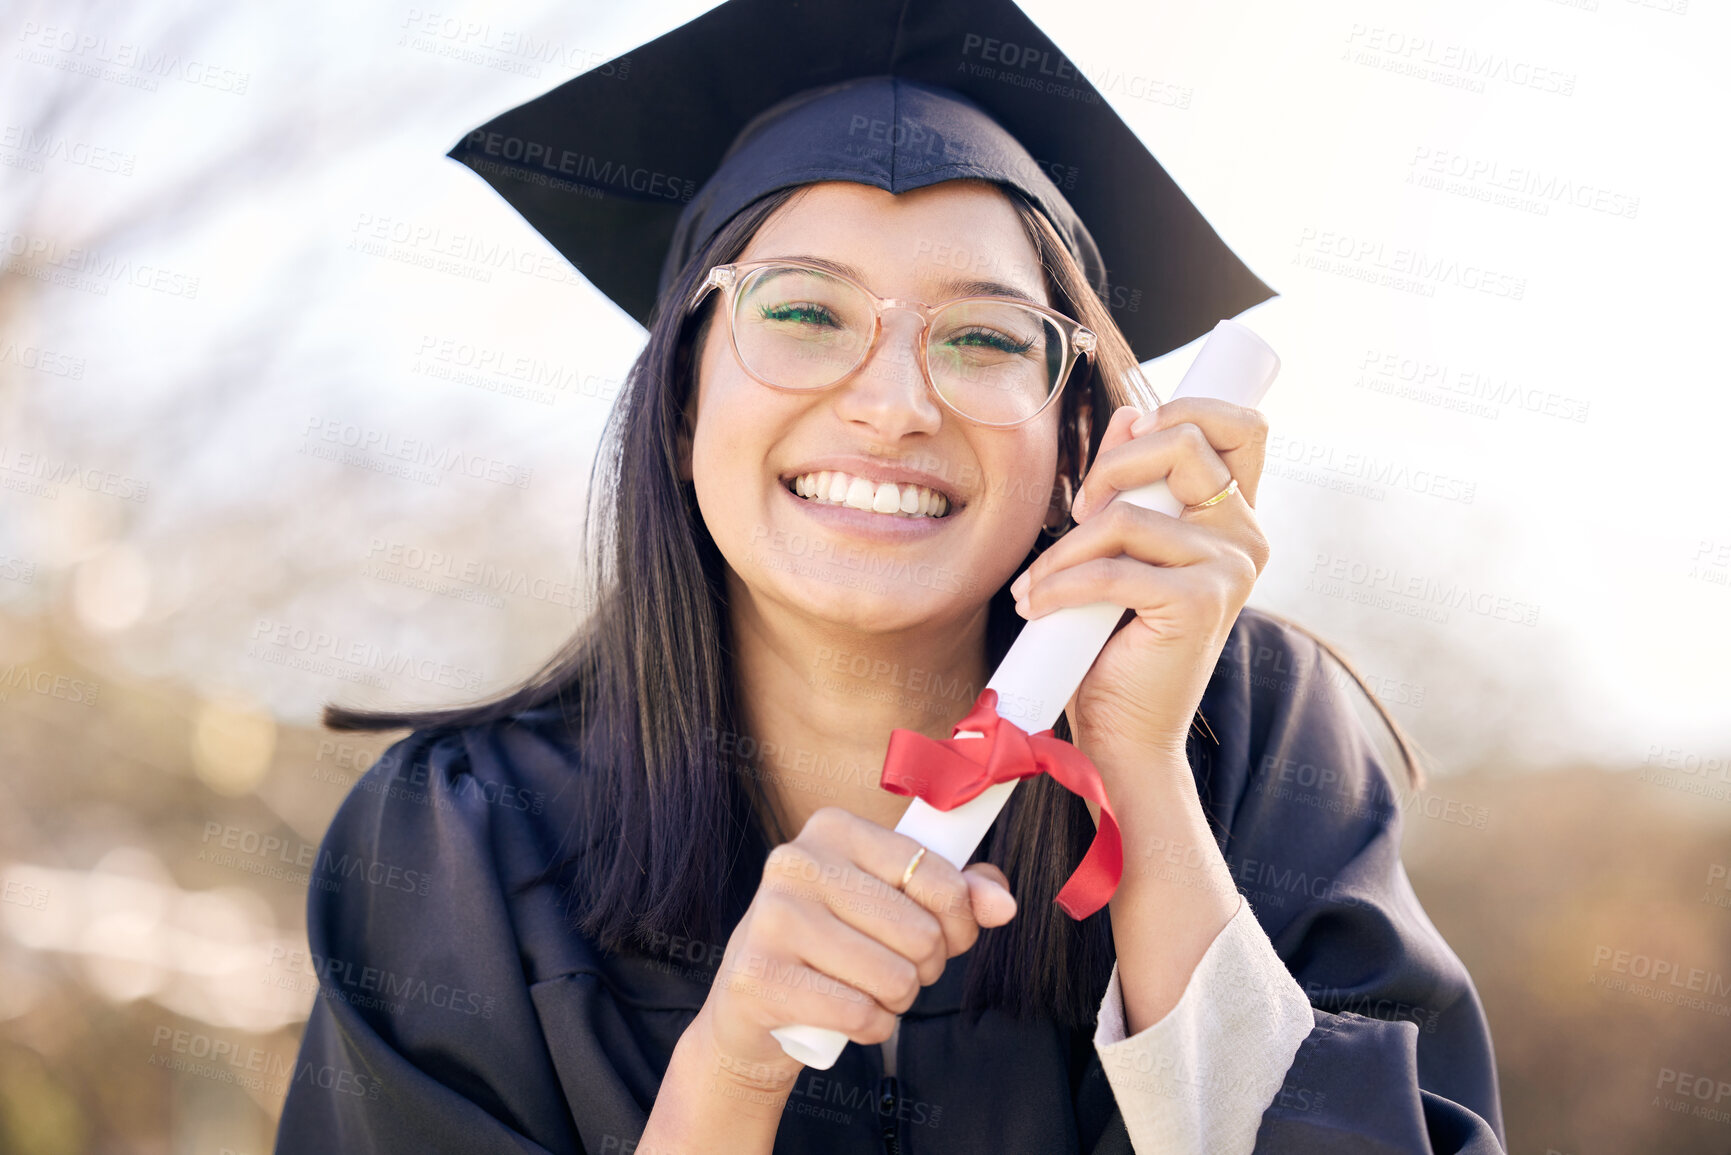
column 1079, row 507
column 1019, row 587
column 1144, row 423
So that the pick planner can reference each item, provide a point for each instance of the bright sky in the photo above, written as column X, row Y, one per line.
column 1530, row 413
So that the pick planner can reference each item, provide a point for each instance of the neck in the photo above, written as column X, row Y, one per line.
column 818, row 703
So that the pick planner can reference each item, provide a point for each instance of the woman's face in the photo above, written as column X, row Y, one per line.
column 857, row 568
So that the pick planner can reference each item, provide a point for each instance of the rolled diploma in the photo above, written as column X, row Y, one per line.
column 1053, row 654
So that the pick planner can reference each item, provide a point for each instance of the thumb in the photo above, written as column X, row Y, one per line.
column 989, row 892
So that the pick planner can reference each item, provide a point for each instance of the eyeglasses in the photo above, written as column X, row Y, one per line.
column 996, row 361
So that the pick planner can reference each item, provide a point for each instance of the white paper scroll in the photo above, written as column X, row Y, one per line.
column 1051, row 655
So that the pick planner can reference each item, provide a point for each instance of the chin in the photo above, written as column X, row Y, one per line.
column 858, row 601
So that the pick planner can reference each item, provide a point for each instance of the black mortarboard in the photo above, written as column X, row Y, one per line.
column 629, row 168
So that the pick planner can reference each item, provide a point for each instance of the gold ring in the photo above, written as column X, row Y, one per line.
column 913, row 865
column 1231, row 488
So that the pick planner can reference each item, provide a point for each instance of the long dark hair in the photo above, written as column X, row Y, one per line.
column 646, row 689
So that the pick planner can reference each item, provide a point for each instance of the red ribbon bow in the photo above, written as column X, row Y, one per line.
column 946, row 773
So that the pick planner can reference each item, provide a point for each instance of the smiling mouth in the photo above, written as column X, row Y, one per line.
column 833, row 487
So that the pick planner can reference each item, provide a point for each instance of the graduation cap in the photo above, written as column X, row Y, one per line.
column 631, row 167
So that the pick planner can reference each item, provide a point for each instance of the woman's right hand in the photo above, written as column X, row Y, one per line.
column 830, row 942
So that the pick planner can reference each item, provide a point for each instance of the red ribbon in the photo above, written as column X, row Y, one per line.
column 946, row 773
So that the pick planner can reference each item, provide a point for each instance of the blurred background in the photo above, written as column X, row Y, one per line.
column 238, row 278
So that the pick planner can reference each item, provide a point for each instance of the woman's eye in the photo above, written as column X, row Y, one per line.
column 798, row 314
column 990, row 339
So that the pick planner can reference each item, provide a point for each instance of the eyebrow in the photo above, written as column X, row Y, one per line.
column 956, row 287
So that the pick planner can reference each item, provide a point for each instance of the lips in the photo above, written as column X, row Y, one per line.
column 896, row 499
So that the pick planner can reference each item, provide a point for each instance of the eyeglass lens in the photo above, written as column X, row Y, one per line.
column 994, row 361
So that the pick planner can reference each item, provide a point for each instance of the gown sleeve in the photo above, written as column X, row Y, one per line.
column 1398, row 1057
column 423, row 1037
column 1199, row 1079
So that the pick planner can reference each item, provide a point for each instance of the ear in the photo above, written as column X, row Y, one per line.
column 1072, row 455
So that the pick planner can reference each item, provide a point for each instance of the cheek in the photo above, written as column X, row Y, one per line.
column 736, row 425
column 716, row 431
column 1024, row 470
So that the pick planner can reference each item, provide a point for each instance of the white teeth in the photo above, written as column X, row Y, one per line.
column 837, row 488
column 860, row 493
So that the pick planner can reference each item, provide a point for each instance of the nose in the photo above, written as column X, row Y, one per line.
column 889, row 391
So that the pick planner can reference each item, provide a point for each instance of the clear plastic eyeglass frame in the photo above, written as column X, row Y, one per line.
column 1079, row 341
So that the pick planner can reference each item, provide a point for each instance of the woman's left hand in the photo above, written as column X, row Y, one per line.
column 1185, row 578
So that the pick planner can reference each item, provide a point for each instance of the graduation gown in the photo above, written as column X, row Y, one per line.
column 459, row 1012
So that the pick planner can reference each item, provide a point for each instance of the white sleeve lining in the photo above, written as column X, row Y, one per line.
column 1199, row 1080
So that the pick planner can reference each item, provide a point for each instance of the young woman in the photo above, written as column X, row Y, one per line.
column 833, row 490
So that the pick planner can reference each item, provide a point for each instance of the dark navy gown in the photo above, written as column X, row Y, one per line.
column 471, row 1019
